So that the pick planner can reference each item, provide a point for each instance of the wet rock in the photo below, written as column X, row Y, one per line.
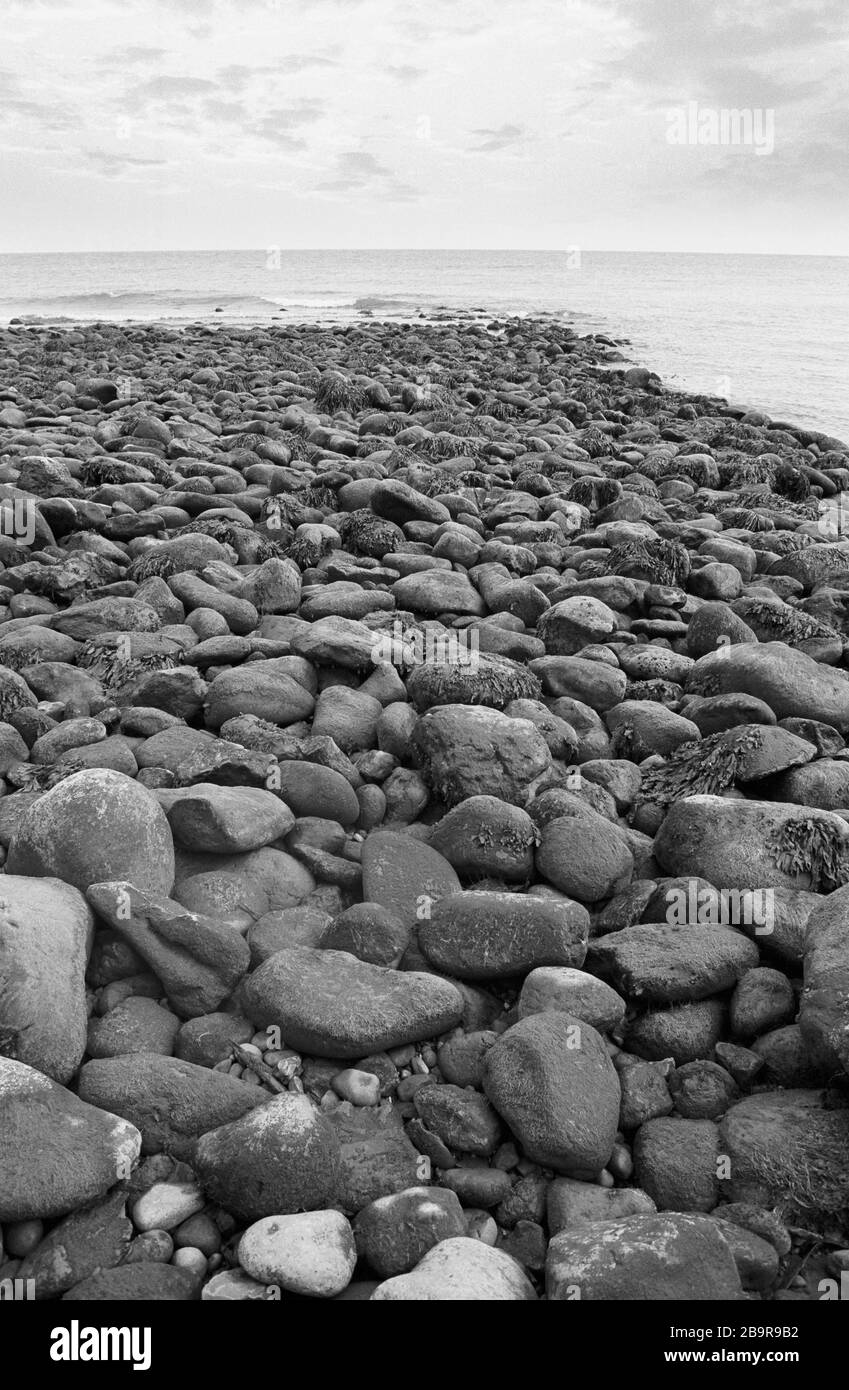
column 465, row 751
column 459, row 1269
column 550, row 1078
column 95, row 826
column 330, row 1004
column 56, row 1151
column 663, row 1257
column 170, row 1102
column 198, row 960
column 483, row 936
column 394, row 1233
column 280, row 1158
column 46, row 932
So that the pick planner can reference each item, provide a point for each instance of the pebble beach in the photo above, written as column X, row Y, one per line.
column 424, row 821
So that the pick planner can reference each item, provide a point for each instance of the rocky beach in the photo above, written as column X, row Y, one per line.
column 424, row 820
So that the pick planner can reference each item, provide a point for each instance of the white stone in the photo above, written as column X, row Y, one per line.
column 459, row 1270
column 165, row 1205
column 311, row 1253
column 359, row 1087
column 232, row 1285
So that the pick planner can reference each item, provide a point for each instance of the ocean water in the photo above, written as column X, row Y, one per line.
column 769, row 332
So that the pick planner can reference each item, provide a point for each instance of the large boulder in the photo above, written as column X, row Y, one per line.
column 46, row 931
column 664, row 1257
column 330, row 1004
column 552, row 1081
column 466, row 750
column 787, row 680
column 56, row 1152
column 279, row 1159
column 754, row 845
column 491, row 936
column 404, row 875
column 170, row 1102
column 459, row 1270
column 663, row 964
column 824, row 1013
column 94, row 826
column 785, row 1148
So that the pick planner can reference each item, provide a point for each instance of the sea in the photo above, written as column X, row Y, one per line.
column 767, row 332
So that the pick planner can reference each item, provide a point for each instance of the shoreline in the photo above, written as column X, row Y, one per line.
column 426, row 747
column 615, row 362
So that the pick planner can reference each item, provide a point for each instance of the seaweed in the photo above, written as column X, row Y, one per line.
column 364, row 533
column 658, row 561
column 814, row 847
column 703, row 767
column 487, row 680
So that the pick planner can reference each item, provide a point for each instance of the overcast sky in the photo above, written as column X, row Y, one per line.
column 139, row 125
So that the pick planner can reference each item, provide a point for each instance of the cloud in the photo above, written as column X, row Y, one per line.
column 168, row 86
column 358, row 171
column 502, row 138
column 113, row 166
column 405, row 72
column 133, row 53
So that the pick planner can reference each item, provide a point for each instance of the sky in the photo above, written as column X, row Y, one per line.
column 130, row 125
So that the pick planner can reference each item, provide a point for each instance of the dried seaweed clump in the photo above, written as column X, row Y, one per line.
column 705, row 767
column 496, row 409
column 114, row 668
column 447, row 446
column 813, row 846
column 595, row 442
column 319, row 495
column 42, row 777
column 460, row 676
column 251, row 732
column 335, row 392
column 364, row 533
column 663, row 692
column 309, row 546
column 594, row 493
column 780, row 623
column 656, row 561
column 14, row 693
column 153, row 564
column 745, row 519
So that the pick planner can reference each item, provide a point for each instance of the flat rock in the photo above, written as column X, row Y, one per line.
column 227, row 820
column 46, row 932
column 660, row 1258
column 491, row 936
column 330, row 1004
column 665, row 964
column 170, row 1102
column 56, row 1151
column 199, row 960
column 404, row 875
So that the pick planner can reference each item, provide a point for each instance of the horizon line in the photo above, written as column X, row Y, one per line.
column 426, row 250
